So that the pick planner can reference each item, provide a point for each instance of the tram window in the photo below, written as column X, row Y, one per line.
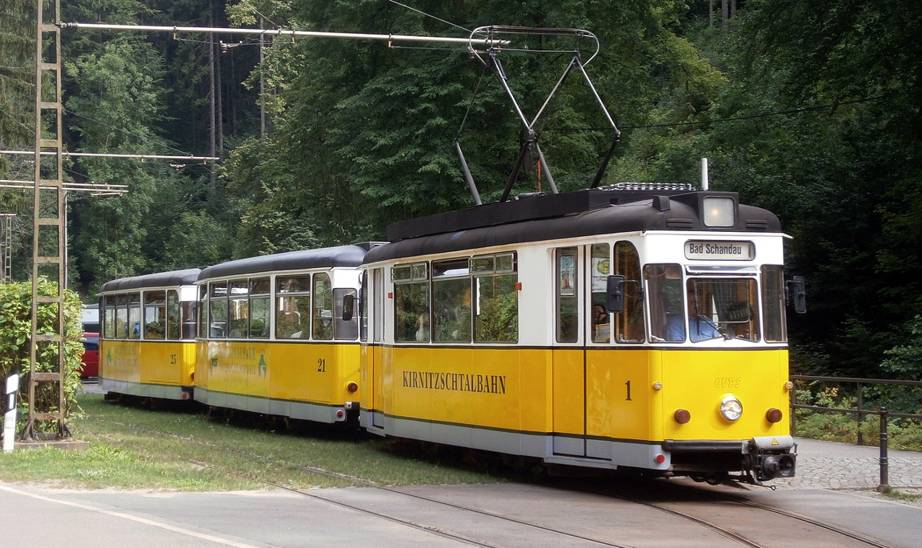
column 134, row 316
column 411, row 303
column 203, row 311
column 451, row 301
column 259, row 308
column 599, row 316
column 173, row 326
column 629, row 324
column 217, row 313
column 667, row 314
column 238, row 309
column 121, row 317
column 189, row 310
column 292, row 317
column 378, row 280
column 344, row 330
column 773, row 303
column 496, row 313
column 722, row 308
column 567, row 283
column 154, row 314
column 109, row 318
column 322, row 309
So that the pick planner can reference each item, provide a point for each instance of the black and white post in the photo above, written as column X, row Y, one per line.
column 9, row 417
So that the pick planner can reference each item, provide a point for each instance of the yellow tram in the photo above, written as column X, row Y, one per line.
column 278, row 334
column 147, row 343
column 628, row 327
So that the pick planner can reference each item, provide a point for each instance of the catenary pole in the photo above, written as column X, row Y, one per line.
column 115, row 155
column 293, row 33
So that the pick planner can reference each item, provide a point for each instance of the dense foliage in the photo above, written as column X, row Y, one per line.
column 810, row 109
column 15, row 324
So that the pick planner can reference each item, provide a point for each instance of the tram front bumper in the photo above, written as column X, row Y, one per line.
column 767, row 457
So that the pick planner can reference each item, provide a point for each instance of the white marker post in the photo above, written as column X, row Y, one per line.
column 705, row 183
column 9, row 419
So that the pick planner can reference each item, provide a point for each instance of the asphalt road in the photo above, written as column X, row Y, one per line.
column 508, row 514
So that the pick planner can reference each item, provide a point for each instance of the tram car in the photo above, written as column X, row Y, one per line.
column 637, row 327
column 278, row 334
column 147, row 344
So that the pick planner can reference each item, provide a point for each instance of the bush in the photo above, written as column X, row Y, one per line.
column 904, row 433
column 15, row 324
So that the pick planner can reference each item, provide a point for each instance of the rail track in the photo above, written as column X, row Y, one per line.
column 704, row 507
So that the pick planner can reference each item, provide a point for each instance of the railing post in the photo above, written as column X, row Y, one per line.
column 860, row 413
column 884, row 461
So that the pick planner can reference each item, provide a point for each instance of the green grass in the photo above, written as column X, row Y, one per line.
column 133, row 448
column 902, row 495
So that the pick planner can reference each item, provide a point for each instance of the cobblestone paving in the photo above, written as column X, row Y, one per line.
column 828, row 465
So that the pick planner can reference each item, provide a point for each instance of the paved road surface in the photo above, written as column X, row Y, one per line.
column 493, row 515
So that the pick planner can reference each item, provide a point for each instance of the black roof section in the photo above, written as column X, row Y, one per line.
column 159, row 279
column 547, row 217
column 328, row 257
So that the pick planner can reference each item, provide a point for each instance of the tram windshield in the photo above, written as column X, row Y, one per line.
column 722, row 308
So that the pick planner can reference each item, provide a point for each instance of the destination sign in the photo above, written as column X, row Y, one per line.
column 719, row 251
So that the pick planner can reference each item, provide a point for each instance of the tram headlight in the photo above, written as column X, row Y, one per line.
column 731, row 408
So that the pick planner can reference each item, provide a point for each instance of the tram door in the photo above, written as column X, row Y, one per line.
column 569, row 353
column 375, row 349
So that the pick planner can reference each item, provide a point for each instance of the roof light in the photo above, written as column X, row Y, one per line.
column 718, row 211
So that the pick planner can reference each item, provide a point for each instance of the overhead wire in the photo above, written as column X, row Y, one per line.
column 728, row 118
column 125, row 131
column 421, row 12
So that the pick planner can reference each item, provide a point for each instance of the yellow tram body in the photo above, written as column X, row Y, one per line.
column 273, row 338
column 147, row 343
column 690, row 377
column 305, row 381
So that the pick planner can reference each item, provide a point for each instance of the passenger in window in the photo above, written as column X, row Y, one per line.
column 422, row 328
column 601, row 327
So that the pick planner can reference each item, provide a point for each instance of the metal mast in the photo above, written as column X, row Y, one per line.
column 48, row 217
column 6, row 247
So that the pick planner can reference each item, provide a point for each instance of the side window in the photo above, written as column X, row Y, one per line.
column 121, row 316
column 217, row 313
column 451, row 301
column 599, row 315
column 109, row 320
column 154, row 314
column 238, row 309
column 496, row 301
column 134, row 316
column 411, row 302
column 203, row 311
column 322, row 309
column 378, row 280
column 667, row 311
column 773, row 304
column 629, row 324
column 189, row 310
column 567, row 279
column 293, row 312
column 259, row 308
column 173, row 326
column 344, row 330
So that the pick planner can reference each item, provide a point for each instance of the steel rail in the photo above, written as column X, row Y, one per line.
column 487, row 42
column 319, row 470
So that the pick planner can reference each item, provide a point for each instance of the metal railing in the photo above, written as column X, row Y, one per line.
column 860, row 411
